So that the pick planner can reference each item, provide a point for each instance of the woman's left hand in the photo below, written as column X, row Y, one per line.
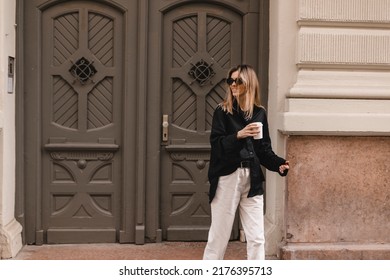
column 284, row 167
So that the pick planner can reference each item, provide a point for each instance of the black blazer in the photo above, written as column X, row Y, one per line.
column 227, row 151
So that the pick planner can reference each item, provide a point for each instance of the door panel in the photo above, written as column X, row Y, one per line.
column 201, row 42
column 81, row 122
column 75, row 95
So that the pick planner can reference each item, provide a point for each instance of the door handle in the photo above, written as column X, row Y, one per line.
column 165, row 125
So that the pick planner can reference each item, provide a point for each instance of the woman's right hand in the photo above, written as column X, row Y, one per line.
column 250, row 130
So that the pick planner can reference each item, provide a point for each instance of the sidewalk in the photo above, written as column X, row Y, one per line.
column 151, row 251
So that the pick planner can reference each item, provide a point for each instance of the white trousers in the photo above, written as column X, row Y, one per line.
column 232, row 191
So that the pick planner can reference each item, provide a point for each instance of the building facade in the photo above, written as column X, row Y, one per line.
column 106, row 109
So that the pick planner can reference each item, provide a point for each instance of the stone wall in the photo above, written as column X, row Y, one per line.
column 336, row 119
column 338, row 200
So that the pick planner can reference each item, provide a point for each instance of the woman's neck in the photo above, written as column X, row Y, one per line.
column 241, row 102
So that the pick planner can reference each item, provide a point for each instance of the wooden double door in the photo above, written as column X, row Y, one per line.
column 116, row 112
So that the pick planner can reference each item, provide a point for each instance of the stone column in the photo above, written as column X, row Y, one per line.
column 283, row 32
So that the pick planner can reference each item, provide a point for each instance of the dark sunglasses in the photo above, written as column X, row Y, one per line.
column 238, row 81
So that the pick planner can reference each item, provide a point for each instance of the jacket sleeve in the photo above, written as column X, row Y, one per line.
column 223, row 142
column 265, row 153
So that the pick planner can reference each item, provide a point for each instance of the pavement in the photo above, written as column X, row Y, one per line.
column 236, row 250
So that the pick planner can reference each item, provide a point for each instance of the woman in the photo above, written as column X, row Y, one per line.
column 235, row 175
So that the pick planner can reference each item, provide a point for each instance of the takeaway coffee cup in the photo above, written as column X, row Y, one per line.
column 260, row 134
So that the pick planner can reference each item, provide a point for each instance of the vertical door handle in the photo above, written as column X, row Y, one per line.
column 165, row 125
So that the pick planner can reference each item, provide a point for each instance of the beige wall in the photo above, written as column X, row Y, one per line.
column 10, row 229
column 343, row 63
column 340, row 94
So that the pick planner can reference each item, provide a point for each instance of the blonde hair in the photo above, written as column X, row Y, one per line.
column 252, row 87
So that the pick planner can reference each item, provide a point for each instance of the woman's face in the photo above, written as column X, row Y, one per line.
column 237, row 87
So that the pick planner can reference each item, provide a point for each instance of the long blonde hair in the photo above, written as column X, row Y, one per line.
column 252, row 94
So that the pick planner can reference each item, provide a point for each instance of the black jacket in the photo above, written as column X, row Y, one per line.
column 227, row 151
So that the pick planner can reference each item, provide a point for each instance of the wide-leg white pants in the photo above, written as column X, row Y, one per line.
column 232, row 192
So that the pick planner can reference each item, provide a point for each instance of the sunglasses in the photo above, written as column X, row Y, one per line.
column 238, row 81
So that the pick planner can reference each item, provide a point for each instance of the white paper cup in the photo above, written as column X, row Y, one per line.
column 260, row 134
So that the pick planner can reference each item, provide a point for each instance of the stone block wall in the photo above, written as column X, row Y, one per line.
column 338, row 200
column 336, row 123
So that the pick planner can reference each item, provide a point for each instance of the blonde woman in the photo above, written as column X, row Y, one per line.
column 240, row 143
